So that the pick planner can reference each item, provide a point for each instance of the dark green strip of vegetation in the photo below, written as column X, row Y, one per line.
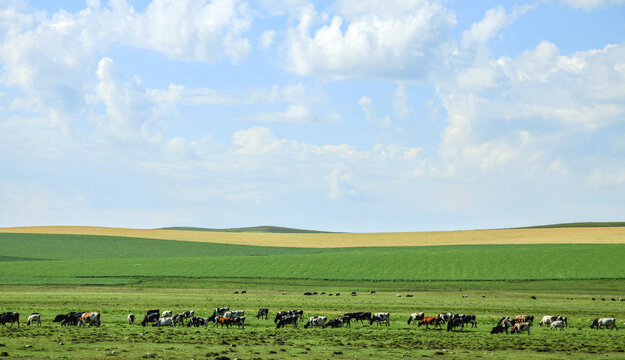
column 577, row 225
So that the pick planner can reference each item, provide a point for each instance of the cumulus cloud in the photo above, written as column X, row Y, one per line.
column 397, row 39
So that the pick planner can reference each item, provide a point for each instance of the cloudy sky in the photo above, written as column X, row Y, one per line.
column 346, row 115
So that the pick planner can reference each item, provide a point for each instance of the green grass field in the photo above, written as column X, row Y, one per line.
column 56, row 273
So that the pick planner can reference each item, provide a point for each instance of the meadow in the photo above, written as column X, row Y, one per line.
column 115, row 275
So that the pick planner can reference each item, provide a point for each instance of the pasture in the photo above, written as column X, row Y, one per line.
column 116, row 275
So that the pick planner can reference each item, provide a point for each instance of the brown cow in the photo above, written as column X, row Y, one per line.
column 431, row 320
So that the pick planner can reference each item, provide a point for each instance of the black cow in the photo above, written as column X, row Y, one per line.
column 358, row 316
column 285, row 320
column 69, row 319
column 11, row 317
column 262, row 313
column 150, row 317
column 499, row 329
column 454, row 323
column 198, row 321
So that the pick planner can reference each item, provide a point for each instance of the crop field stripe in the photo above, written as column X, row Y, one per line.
column 581, row 235
column 468, row 262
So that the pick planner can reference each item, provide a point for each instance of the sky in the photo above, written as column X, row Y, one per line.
column 346, row 115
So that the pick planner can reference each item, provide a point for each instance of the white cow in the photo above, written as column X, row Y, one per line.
column 604, row 323
column 557, row 324
column 34, row 318
column 316, row 321
column 234, row 314
column 164, row 321
column 131, row 319
column 166, row 313
column 546, row 320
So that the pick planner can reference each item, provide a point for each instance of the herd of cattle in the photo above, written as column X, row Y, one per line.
column 236, row 318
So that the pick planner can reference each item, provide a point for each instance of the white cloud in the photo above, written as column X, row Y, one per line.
column 369, row 40
column 400, row 102
column 253, row 141
column 267, row 39
column 494, row 20
column 591, row 4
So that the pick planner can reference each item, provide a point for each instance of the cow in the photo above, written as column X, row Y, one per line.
column 188, row 314
column 150, row 317
column 445, row 317
column 262, row 313
column 466, row 319
column 380, row 318
column 167, row 313
column 234, row 314
column 546, row 320
column 431, row 320
column 164, row 321
column 197, row 321
column 72, row 319
column 316, row 321
column 499, row 329
column 454, row 323
column 358, row 316
column 34, row 318
column 298, row 314
column 178, row 319
column 415, row 317
column 604, row 323
column 502, row 325
column 239, row 322
column 131, row 319
column 337, row 322
column 524, row 318
column 285, row 320
column 354, row 293
column 556, row 324
column 93, row 318
column 521, row 326
column 11, row 317
column 220, row 311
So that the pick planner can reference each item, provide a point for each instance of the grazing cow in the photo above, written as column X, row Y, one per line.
column 445, row 317
column 234, row 314
column 499, row 329
column 524, row 318
column 151, row 316
column 188, row 314
column 307, row 294
column 131, row 319
column 92, row 318
column 465, row 296
column 72, row 319
column 287, row 319
column 11, row 317
column 178, row 319
column 34, row 318
column 604, row 323
column 167, row 313
column 358, row 316
column 239, row 322
column 454, row 323
column 414, row 317
column 431, row 320
column 298, row 314
column 466, row 319
column 164, row 321
column 354, row 293
column 220, row 311
column 316, row 321
column 372, row 292
column 546, row 320
column 380, row 318
column 338, row 322
column 521, row 326
column 197, row 321
column 410, row 295
column 556, row 324
column 262, row 313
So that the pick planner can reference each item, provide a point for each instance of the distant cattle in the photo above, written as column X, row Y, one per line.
column 307, row 294
column 316, row 321
column 131, row 319
column 262, row 313
column 69, row 319
column 91, row 318
column 466, row 319
column 409, row 295
column 234, row 314
column 178, row 319
column 286, row 320
column 499, row 329
column 354, row 293
column 604, row 323
column 524, row 318
column 357, row 316
column 220, row 311
column 34, row 318
column 548, row 319
column 164, row 321
column 297, row 314
column 11, row 317
column 415, row 317
column 150, row 317
column 445, row 317
column 337, row 322
column 197, row 321
column 167, row 313
column 521, row 326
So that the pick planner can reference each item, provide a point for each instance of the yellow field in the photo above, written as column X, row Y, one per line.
column 598, row 235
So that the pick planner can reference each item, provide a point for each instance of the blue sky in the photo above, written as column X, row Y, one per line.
column 335, row 115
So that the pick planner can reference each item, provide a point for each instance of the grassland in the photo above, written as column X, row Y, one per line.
column 57, row 273
column 568, row 235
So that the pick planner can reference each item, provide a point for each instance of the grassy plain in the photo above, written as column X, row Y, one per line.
column 260, row 339
column 574, row 235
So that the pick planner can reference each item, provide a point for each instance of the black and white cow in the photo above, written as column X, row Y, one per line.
column 286, row 320
column 220, row 311
column 34, row 318
column 131, row 319
column 380, row 318
column 165, row 321
column 262, row 313
column 521, row 326
column 415, row 317
column 454, row 323
column 316, row 321
column 150, row 317
column 604, row 323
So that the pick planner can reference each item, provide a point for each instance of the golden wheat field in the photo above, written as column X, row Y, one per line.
column 602, row 235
